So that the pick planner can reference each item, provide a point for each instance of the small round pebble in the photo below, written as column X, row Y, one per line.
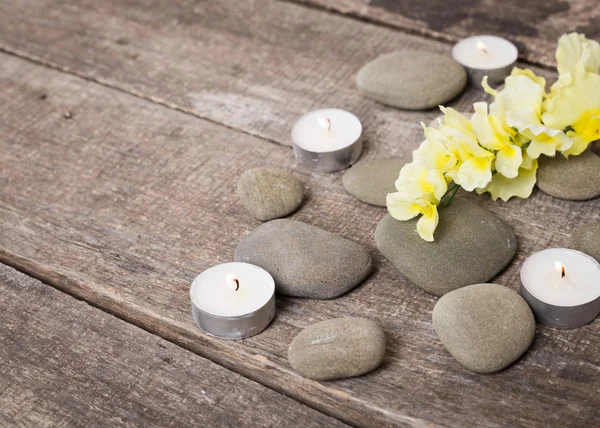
column 412, row 80
column 304, row 260
column 337, row 348
column 576, row 178
column 486, row 327
column 371, row 181
column 269, row 193
column 472, row 245
column 587, row 240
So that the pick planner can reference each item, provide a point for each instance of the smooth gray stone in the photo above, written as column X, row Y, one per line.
column 371, row 181
column 486, row 327
column 587, row 240
column 471, row 245
column 576, row 178
column 337, row 348
column 412, row 80
column 269, row 193
column 305, row 261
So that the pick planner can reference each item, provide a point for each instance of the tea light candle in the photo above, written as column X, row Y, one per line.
column 486, row 56
column 562, row 287
column 327, row 140
column 233, row 300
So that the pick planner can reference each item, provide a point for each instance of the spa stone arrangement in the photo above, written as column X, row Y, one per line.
column 526, row 137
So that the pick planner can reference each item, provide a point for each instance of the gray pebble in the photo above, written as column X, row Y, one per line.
column 587, row 240
column 305, row 261
column 269, row 193
column 337, row 348
column 471, row 245
column 576, row 178
column 371, row 181
column 486, row 327
column 412, row 80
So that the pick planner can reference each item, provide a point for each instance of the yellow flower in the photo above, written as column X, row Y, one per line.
column 405, row 210
column 576, row 106
column 575, row 52
column 474, row 162
column 417, row 181
column 433, row 152
column 521, row 103
column 521, row 186
column 494, row 135
column 419, row 192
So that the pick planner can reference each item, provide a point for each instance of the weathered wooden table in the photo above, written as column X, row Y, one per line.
column 124, row 126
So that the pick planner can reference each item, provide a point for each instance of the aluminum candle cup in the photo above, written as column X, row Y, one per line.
column 327, row 140
column 486, row 56
column 233, row 300
column 562, row 287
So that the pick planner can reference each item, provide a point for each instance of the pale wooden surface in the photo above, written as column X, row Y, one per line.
column 534, row 25
column 126, row 201
column 64, row 363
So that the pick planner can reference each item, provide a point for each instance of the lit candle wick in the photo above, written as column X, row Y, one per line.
column 325, row 123
column 232, row 281
column 482, row 47
column 560, row 268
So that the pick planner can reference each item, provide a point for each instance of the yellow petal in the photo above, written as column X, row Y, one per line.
column 508, row 161
column 573, row 101
column 428, row 223
column 577, row 53
column 438, row 182
column 505, row 188
column 548, row 144
column 401, row 209
column 483, row 129
column 475, row 173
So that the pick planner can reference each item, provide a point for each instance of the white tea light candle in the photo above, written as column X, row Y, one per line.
column 562, row 287
column 233, row 300
column 490, row 56
column 327, row 140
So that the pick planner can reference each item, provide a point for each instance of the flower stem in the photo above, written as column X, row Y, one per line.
column 449, row 195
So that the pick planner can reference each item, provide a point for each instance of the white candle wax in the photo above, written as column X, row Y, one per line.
column 214, row 290
column 326, row 130
column 542, row 276
column 486, row 55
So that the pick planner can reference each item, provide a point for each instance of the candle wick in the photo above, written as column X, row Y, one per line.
column 237, row 283
column 563, row 272
column 482, row 47
column 325, row 123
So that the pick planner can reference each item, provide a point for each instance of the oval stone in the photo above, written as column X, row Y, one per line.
column 269, row 193
column 471, row 245
column 486, row 327
column 412, row 80
column 576, row 178
column 371, row 181
column 337, row 348
column 587, row 240
column 305, row 261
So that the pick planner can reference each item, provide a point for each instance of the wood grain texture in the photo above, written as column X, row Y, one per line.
column 123, row 203
column 255, row 66
column 64, row 363
column 534, row 26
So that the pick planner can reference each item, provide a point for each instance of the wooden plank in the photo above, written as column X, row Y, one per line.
column 123, row 203
column 254, row 66
column 534, row 26
column 65, row 363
